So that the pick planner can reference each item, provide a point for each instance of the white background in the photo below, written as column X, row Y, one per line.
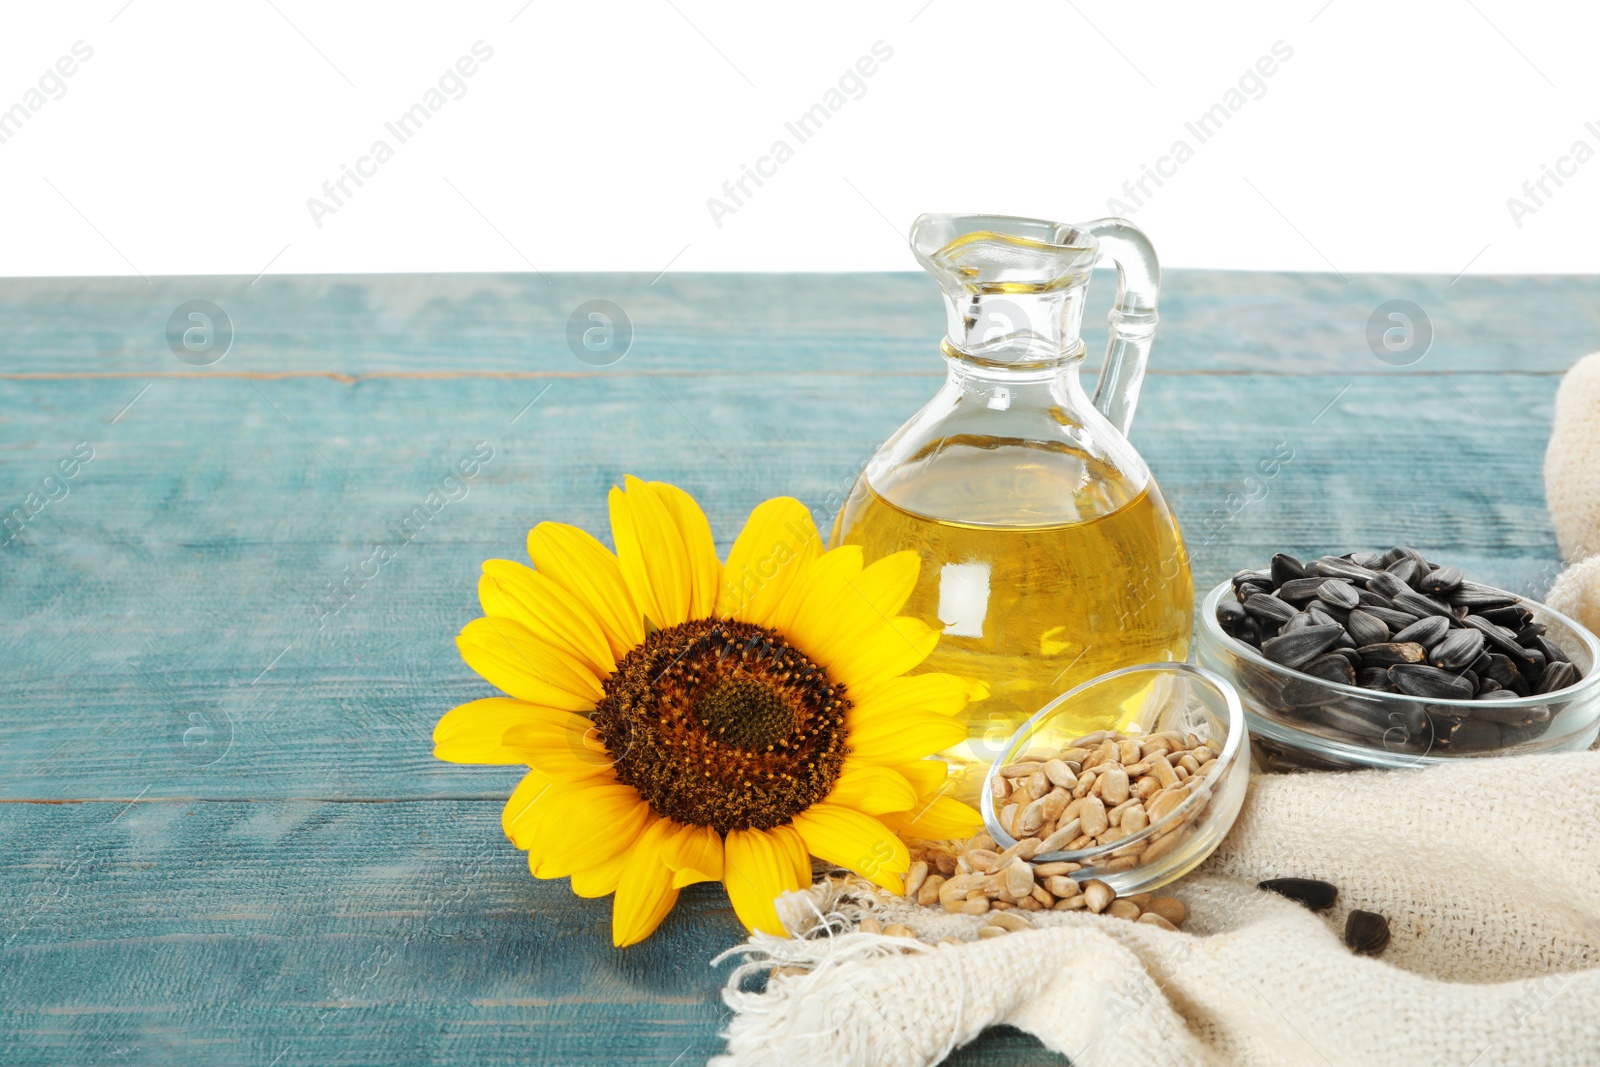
column 594, row 137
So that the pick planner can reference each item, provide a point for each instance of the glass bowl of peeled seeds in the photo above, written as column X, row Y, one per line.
column 1132, row 778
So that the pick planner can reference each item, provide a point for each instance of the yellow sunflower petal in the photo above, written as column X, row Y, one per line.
column 790, row 841
column 705, row 571
column 512, row 659
column 872, row 789
column 927, row 776
column 524, row 805
column 601, row 879
column 650, row 548
column 939, row 818
column 548, row 612
column 855, row 841
column 567, row 826
column 885, row 651
column 760, row 868
column 818, row 588
column 894, row 739
column 777, row 541
column 645, row 892
column 585, row 568
column 694, row 854
column 558, row 745
column 848, row 605
column 597, row 822
column 473, row 732
column 943, row 694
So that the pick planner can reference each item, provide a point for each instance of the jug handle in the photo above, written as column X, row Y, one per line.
column 1133, row 319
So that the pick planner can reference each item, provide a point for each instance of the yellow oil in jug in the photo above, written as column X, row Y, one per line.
column 1057, row 570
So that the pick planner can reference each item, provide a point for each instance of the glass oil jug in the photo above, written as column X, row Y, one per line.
column 1048, row 553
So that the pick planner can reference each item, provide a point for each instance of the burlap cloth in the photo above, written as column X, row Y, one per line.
column 1488, row 870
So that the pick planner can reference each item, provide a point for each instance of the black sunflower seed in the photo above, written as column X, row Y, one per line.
column 1365, row 628
column 1300, row 590
column 1230, row 613
column 1339, row 593
column 1505, row 673
column 1348, row 652
column 1532, row 630
column 1373, row 561
column 1387, row 584
column 1334, row 567
column 1552, row 651
column 1369, row 599
column 1498, row 636
column 1408, row 570
column 1366, row 932
column 1474, row 735
column 1286, row 568
column 1299, row 647
column 1478, row 597
column 1420, row 605
column 1331, row 668
column 1441, row 580
column 1313, row 893
column 1557, row 676
column 1268, row 607
column 1428, row 632
column 1299, row 622
column 1393, row 618
column 1335, row 611
column 1457, row 650
column 1390, row 653
column 1373, row 678
column 1420, row 680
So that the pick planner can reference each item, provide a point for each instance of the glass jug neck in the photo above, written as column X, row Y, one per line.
column 1026, row 330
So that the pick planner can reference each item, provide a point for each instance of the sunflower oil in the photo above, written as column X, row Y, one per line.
column 1058, row 569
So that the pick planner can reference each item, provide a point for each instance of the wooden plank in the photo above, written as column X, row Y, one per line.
column 158, row 626
column 689, row 323
column 248, row 933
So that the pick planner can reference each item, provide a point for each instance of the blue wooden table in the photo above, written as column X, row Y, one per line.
column 225, row 840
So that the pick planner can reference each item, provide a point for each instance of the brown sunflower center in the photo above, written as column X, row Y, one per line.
column 723, row 724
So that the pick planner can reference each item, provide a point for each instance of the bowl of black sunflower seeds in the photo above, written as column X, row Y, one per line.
column 1387, row 659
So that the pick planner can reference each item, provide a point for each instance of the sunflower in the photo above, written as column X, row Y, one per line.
column 685, row 720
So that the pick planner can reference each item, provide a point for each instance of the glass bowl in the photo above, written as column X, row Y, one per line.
column 1141, row 701
column 1302, row 722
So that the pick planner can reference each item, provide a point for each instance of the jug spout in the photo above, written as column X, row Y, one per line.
column 1014, row 291
column 1013, row 287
